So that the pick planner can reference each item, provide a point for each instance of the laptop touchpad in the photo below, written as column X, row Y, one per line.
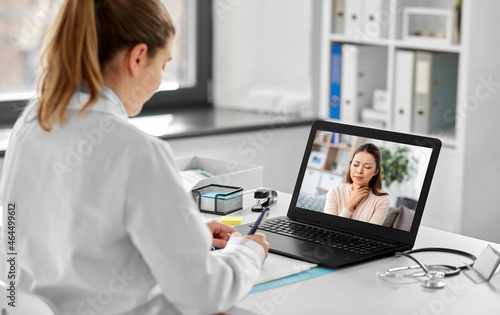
column 296, row 248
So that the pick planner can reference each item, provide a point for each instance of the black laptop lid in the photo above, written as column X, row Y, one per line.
column 407, row 165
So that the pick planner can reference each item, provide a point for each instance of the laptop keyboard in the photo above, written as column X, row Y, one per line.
column 350, row 243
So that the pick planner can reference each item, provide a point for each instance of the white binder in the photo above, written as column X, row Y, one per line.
column 376, row 18
column 380, row 100
column 403, row 90
column 338, row 14
column 353, row 18
column 364, row 69
column 435, row 92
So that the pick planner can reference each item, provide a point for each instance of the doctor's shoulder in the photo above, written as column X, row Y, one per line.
column 136, row 139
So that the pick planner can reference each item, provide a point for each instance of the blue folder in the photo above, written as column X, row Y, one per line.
column 336, row 61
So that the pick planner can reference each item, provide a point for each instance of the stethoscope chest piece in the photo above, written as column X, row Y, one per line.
column 434, row 272
column 434, row 281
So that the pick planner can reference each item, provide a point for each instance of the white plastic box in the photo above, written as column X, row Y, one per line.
column 232, row 173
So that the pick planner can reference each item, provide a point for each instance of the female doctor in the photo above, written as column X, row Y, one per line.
column 103, row 224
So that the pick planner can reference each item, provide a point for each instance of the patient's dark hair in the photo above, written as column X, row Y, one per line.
column 376, row 181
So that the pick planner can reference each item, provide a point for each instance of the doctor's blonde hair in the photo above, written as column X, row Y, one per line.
column 85, row 36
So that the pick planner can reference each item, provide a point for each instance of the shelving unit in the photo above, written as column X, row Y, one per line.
column 392, row 42
column 460, row 200
column 323, row 172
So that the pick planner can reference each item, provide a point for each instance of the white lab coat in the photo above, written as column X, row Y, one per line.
column 103, row 222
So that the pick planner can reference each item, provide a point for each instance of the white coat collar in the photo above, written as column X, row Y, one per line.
column 108, row 102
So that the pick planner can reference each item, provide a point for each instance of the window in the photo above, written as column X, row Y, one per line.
column 180, row 72
column 23, row 24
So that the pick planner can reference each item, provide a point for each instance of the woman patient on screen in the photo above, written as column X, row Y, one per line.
column 361, row 196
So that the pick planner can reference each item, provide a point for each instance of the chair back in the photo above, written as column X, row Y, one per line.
column 25, row 302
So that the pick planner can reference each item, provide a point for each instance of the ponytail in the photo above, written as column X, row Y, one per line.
column 86, row 35
column 69, row 58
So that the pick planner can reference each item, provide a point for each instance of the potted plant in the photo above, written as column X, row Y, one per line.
column 398, row 165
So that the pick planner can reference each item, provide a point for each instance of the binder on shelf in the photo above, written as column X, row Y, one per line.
column 375, row 24
column 323, row 136
column 349, row 83
column 346, row 139
column 435, row 92
column 380, row 100
column 335, row 138
column 364, row 69
column 403, row 90
column 335, row 71
column 338, row 13
column 456, row 21
column 342, row 161
column 353, row 18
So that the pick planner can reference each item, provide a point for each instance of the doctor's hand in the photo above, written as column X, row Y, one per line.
column 221, row 233
column 258, row 238
column 357, row 194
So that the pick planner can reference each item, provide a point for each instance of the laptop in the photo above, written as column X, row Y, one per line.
column 320, row 229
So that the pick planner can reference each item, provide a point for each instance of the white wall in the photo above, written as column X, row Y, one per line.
column 1, row 167
column 479, row 111
column 442, row 210
column 1, row 170
column 263, row 55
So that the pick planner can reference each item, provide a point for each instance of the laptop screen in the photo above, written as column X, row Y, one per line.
column 371, row 177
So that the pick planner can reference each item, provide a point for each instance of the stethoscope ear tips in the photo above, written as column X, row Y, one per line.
column 386, row 274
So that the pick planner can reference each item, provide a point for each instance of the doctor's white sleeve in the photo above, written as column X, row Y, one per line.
column 166, row 227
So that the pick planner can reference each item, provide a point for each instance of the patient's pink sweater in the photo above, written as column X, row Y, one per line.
column 372, row 208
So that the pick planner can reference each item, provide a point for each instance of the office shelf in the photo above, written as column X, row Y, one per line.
column 459, row 180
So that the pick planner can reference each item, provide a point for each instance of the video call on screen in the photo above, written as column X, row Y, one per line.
column 330, row 178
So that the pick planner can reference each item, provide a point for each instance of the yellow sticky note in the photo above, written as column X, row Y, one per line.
column 231, row 220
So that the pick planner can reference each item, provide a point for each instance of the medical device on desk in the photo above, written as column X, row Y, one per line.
column 430, row 275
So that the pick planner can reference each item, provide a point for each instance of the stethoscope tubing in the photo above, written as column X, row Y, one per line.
column 445, row 250
column 451, row 270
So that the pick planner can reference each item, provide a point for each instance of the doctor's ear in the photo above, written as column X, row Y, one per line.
column 137, row 58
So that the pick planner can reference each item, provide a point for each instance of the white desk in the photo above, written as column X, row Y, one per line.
column 357, row 289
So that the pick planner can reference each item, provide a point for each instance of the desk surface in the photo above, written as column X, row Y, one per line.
column 358, row 290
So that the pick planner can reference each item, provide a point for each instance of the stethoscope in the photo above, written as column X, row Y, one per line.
column 434, row 273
